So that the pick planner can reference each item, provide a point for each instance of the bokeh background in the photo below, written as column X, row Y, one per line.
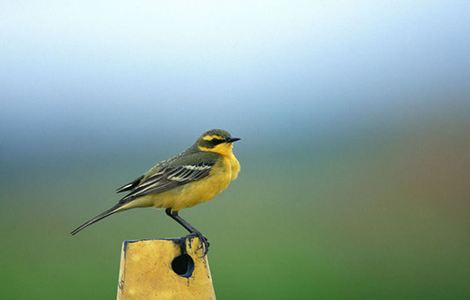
column 355, row 155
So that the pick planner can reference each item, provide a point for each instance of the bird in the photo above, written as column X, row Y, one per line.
column 194, row 176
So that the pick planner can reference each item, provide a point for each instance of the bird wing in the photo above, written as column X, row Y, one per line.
column 170, row 175
column 155, row 169
column 129, row 186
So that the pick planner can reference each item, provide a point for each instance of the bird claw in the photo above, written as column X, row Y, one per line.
column 203, row 242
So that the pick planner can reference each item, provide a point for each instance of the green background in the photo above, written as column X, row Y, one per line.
column 355, row 148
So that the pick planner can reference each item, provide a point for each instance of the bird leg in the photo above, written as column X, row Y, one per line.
column 193, row 231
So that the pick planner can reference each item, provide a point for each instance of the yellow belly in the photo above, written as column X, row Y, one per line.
column 195, row 192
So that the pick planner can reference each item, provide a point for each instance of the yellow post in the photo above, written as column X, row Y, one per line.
column 164, row 269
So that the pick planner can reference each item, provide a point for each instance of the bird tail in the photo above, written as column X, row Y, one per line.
column 99, row 217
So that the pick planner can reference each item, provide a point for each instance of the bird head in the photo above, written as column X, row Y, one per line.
column 217, row 141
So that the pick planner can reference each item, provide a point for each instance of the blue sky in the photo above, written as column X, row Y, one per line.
column 127, row 69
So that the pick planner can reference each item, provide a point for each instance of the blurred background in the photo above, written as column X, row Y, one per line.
column 355, row 155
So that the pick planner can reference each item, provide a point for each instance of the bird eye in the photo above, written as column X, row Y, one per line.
column 216, row 141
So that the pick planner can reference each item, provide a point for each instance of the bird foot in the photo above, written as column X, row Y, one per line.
column 203, row 242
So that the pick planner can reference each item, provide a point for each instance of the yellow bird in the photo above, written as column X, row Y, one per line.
column 195, row 176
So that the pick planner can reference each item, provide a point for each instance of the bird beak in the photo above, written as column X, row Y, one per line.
column 231, row 140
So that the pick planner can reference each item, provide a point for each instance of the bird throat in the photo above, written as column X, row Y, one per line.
column 224, row 149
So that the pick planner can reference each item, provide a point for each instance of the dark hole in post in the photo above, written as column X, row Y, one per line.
column 183, row 265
